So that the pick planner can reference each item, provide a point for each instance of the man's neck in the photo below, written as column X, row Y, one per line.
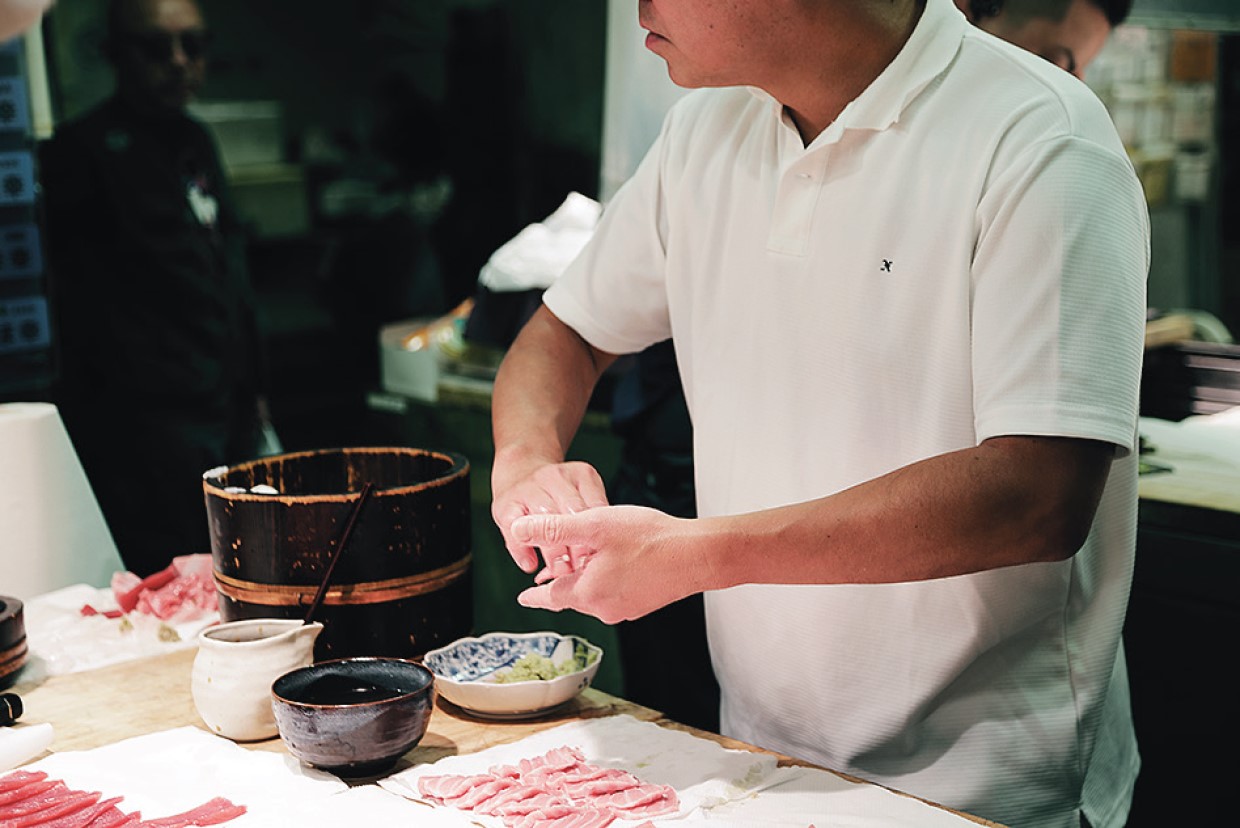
column 844, row 60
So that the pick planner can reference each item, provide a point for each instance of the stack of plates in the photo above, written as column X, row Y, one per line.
column 12, row 640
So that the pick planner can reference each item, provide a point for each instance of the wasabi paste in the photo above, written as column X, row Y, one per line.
column 535, row 667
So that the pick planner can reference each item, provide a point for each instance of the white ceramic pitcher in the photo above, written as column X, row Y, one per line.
column 235, row 667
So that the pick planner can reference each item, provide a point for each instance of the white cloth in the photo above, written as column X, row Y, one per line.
column 961, row 255
column 540, row 252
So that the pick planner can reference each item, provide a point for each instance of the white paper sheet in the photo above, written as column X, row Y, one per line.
column 175, row 770
column 799, row 797
column 703, row 773
column 718, row 788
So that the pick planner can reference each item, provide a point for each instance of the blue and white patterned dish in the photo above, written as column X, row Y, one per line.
column 465, row 673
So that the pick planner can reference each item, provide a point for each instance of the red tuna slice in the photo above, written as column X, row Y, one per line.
column 24, row 792
column 128, row 599
column 19, row 779
column 212, row 812
column 110, row 817
column 70, row 803
column 84, row 816
column 35, row 801
column 226, row 813
column 113, row 817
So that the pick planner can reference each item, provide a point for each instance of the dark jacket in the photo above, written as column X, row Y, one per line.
column 160, row 350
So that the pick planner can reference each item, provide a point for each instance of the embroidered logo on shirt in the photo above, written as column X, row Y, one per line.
column 886, row 266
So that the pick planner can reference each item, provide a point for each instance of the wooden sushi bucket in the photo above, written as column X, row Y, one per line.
column 402, row 585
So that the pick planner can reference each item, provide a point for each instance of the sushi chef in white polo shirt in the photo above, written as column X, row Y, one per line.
column 903, row 266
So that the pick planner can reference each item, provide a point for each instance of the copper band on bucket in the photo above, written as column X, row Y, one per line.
column 373, row 592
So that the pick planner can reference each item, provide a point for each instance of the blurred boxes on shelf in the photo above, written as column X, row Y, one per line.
column 272, row 198
column 408, row 365
column 416, row 355
column 271, row 195
column 1160, row 89
column 248, row 132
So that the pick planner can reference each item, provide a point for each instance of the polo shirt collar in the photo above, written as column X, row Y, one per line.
column 930, row 49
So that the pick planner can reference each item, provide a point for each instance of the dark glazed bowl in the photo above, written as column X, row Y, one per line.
column 353, row 716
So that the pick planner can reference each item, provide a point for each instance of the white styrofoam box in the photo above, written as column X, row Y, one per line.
column 248, row 132
column 272, row 197
column 413, row 373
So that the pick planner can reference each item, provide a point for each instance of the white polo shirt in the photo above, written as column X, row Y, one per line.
column 961, row 255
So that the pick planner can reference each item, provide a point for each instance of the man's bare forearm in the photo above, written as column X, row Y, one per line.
column 1010, row 501
column 540, row 397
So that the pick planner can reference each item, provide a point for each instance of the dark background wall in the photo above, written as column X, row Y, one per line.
column 420, row 136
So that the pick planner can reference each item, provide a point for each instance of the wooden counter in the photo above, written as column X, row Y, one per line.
column 98, row 707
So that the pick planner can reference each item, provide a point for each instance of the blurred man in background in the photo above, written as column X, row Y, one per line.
column 1068, row 33
column 161, row 352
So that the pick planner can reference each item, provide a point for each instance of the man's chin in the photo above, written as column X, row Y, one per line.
column 174, row 100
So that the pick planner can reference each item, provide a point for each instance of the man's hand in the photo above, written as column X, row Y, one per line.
column 552, row 489
column 540, row 395
column 629, row 561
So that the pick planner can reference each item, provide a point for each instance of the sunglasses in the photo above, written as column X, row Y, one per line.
column 159, row 47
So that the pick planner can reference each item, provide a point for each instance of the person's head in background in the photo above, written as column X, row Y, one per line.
column 1068, row 33
column 158, row 48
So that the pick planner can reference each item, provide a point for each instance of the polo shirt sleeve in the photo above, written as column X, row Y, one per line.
column 1059, row 295
column 614, row 294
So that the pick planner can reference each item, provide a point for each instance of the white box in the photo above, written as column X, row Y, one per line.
column 402, row 370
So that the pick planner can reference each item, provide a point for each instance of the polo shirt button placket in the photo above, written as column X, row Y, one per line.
column 794, row 207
